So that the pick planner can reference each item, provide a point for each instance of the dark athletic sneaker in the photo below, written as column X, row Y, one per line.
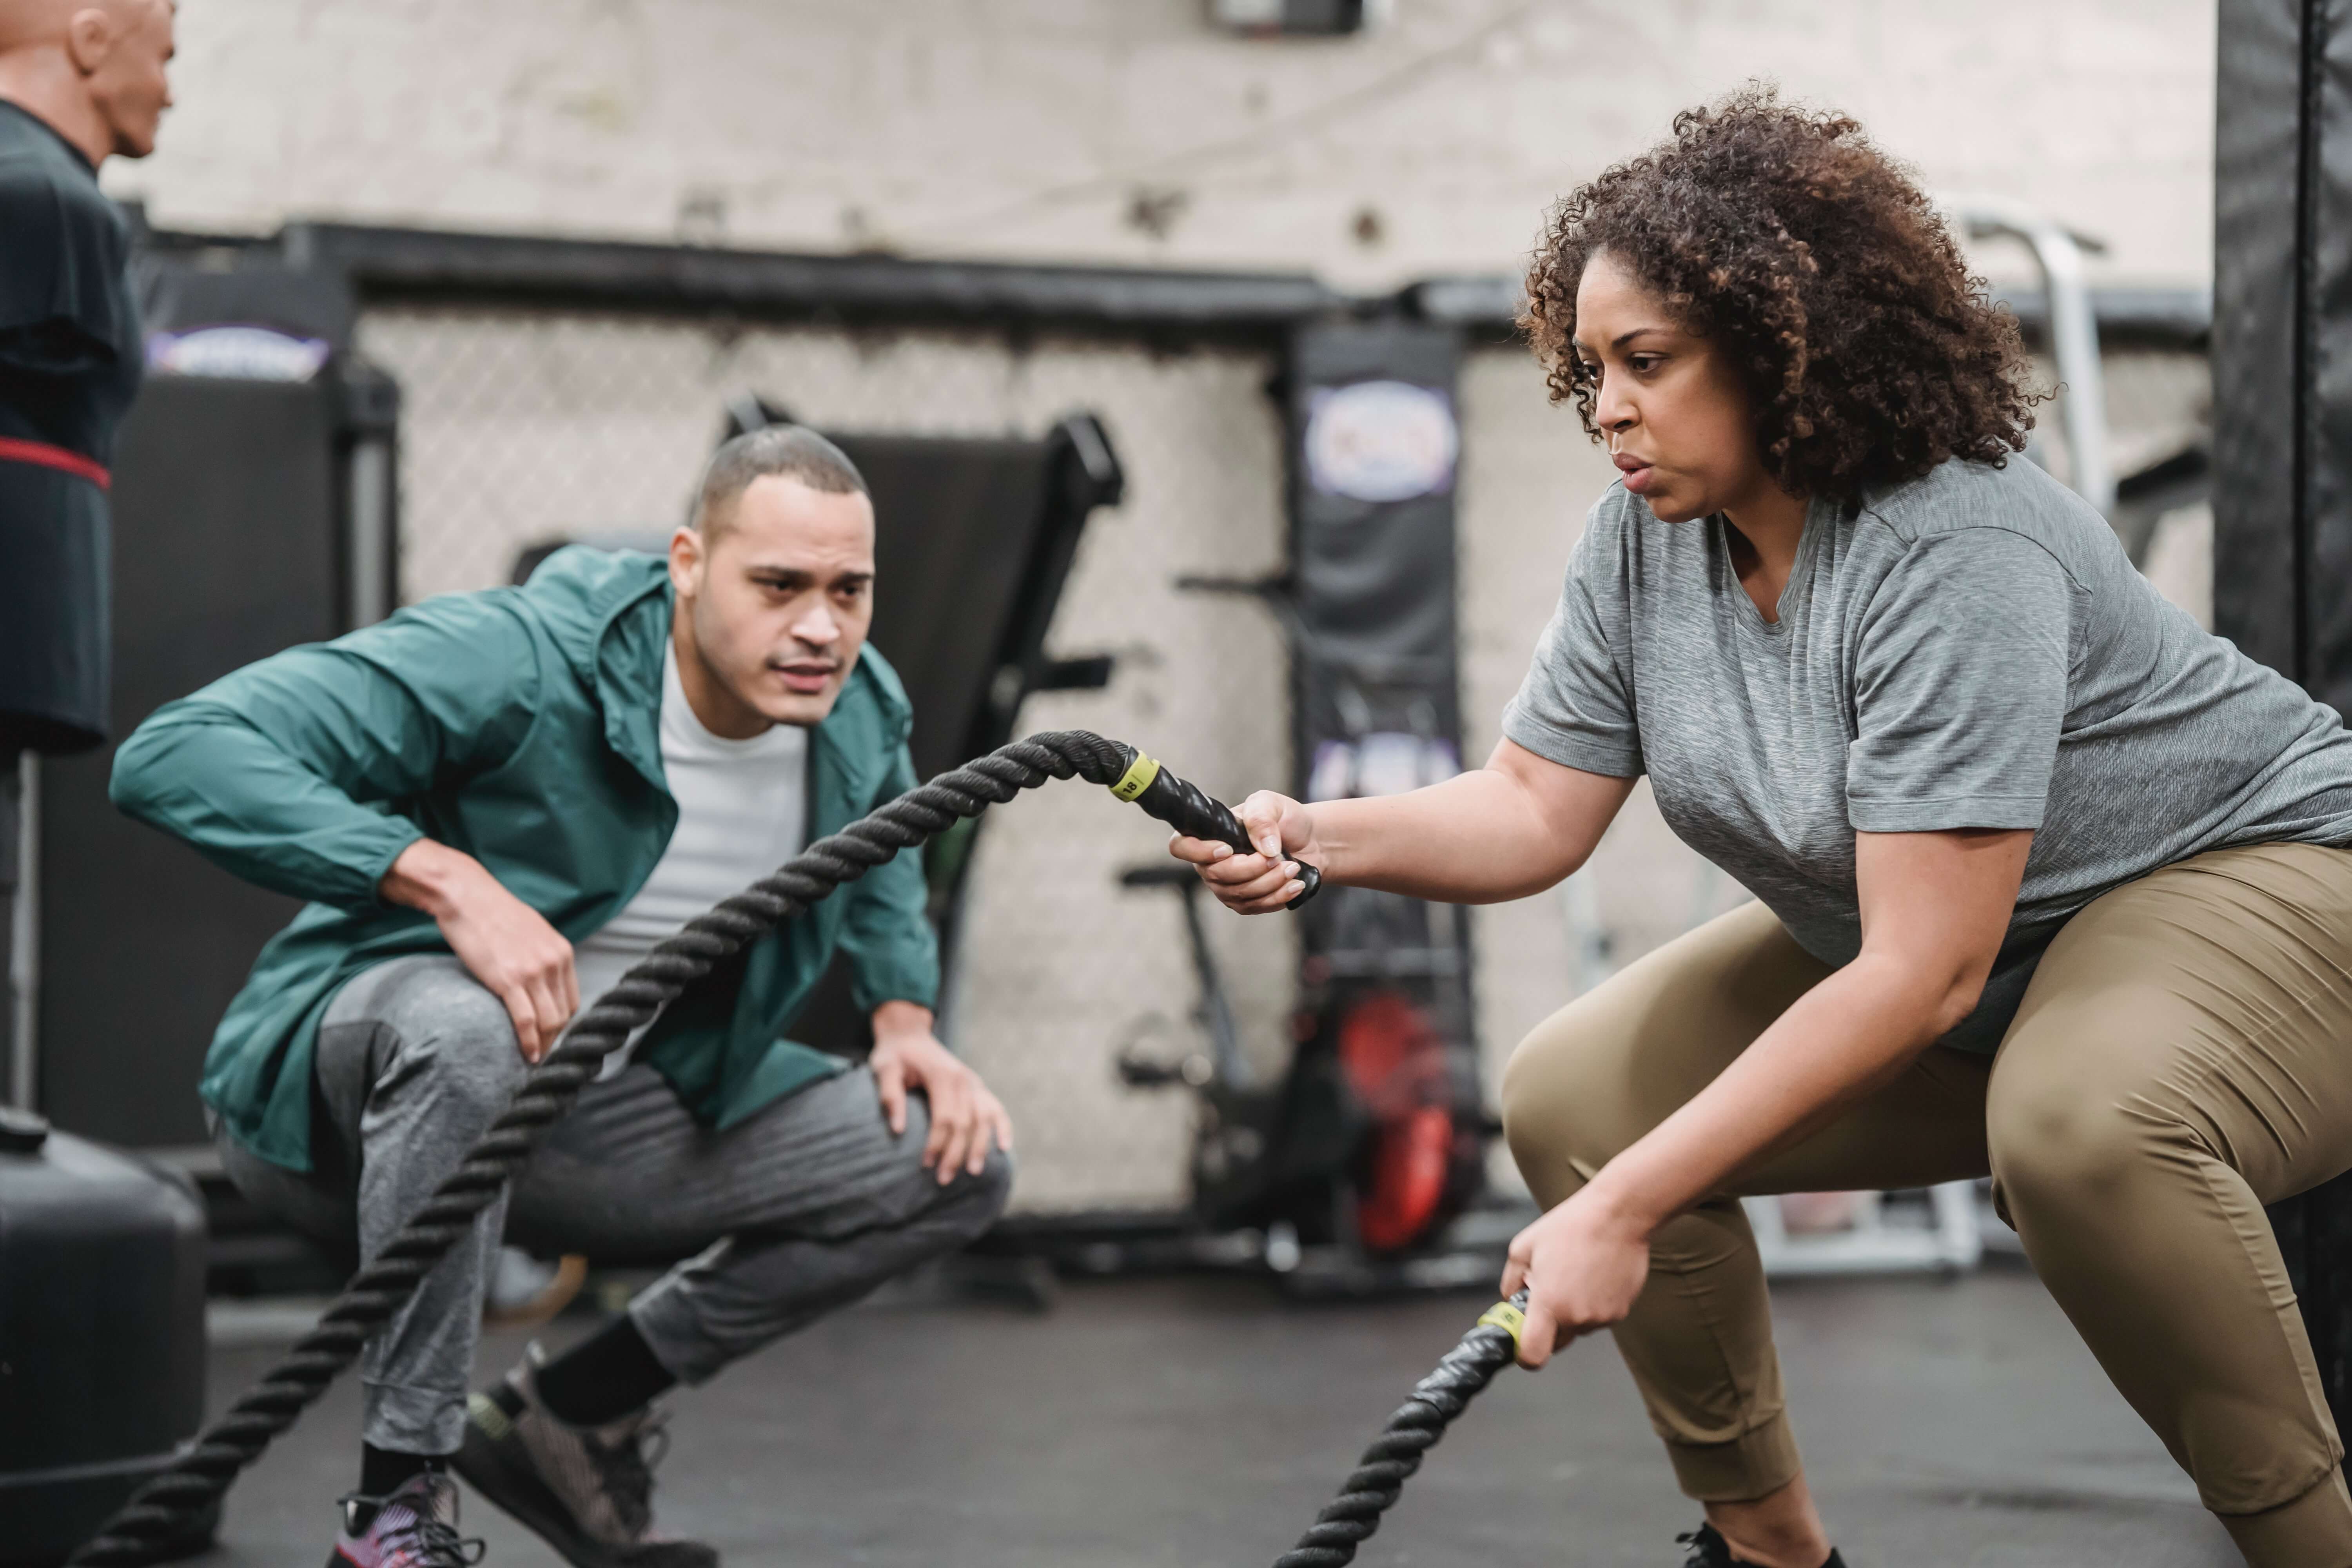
column 586, row 1491
column 1708, row 1549
column 415, row 1527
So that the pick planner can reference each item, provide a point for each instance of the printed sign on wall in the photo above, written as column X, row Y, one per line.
column 1380, row 441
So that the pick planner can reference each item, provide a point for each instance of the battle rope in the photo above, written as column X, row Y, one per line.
column 1373, row 1487
column 162, row 1510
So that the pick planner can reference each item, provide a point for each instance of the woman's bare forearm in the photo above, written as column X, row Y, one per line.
column 1514, row 828
column 1511, row 828
column 1834, row 1046
column 1935, row 907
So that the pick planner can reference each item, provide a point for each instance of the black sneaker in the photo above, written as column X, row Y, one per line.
column 586, row 1491
column 415, row 1527
column 1708, row 1549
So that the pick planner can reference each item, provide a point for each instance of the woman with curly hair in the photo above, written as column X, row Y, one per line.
column 2050, row 882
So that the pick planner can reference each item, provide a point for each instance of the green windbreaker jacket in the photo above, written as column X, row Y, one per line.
column 523, row 726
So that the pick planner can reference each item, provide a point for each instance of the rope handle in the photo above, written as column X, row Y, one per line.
column 1196, row 813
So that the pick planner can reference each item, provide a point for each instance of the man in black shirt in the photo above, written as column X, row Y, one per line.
column 80, row 80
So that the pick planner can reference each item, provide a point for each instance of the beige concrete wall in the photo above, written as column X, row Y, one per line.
column 1129, row 130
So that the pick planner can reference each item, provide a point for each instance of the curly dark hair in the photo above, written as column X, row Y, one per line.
column 1814, row 261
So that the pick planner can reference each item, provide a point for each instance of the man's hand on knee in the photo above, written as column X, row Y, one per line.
column 502, row 941
column 967, row 1122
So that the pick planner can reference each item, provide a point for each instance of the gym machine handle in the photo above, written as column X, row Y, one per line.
column 1196, row 813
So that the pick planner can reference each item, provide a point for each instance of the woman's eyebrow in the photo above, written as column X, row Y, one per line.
column 1622, row 339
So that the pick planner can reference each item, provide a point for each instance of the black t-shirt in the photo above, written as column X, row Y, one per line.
column 70, row 356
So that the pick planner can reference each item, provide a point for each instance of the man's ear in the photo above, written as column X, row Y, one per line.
column 90, row 37
column 688, row 553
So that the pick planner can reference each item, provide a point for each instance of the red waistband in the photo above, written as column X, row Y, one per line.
column 58, row 458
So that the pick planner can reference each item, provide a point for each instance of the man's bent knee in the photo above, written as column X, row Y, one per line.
column 436, row 1029
column 974, row 1203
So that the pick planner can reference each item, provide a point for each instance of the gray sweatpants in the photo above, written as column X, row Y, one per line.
column 805, row 1207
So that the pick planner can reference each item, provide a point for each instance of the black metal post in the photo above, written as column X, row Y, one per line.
column 2282, row 358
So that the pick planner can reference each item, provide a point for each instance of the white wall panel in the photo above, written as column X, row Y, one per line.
column 1037, row 128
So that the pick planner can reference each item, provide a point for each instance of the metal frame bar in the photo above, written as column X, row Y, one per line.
column 1953, row 1244
column 2074, row 334
column 386, row 262
column 2172, row 318
column 25, row 941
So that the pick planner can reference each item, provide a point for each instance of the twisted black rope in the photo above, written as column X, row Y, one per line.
column 1373, row 1487
column 162, row 1510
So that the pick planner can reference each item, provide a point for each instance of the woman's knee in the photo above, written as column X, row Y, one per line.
column 1528, row 1104
column 2060, row 1143
column 1555, row 1127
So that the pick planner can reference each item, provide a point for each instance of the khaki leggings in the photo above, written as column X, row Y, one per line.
column 2183, row 1056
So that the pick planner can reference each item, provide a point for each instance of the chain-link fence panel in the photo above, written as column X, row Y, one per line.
column 525, row 425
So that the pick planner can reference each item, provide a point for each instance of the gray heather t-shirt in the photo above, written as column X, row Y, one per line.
column 1972, row 650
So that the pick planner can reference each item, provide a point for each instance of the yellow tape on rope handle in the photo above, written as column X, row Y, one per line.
column 1137, row 779
column 1506, row 1317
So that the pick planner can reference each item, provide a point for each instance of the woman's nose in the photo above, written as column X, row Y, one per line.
column 1609, row 410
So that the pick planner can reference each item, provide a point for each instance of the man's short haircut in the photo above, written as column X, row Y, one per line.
column 793, row 451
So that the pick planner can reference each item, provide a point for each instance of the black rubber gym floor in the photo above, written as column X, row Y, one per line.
column 1200, row 1423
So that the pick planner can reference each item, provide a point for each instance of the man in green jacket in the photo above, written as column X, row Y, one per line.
column 496, row 803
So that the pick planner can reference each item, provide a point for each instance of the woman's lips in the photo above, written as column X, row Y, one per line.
column 1637, row 473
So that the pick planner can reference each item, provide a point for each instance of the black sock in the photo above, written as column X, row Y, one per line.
column 382, row 1472
column 609, row 1374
